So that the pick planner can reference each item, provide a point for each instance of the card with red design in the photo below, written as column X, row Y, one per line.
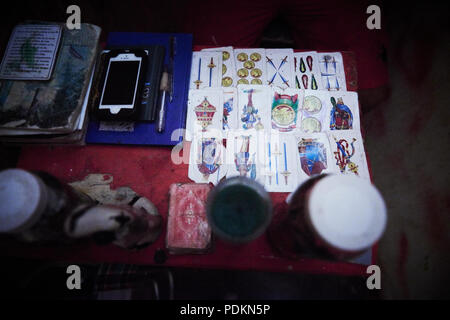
column 188, row 230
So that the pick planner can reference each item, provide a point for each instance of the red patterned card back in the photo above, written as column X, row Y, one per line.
column 188, row 230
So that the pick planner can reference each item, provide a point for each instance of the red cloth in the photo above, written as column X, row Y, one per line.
column 149, row 172
column 318, row 25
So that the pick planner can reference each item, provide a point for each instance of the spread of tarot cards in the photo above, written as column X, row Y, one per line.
column 277, row 134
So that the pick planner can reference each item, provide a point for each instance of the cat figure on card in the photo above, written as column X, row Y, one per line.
column 242, row 159
column 344, row 154
column 341, row 115
column 284, row 112
column 250, row 114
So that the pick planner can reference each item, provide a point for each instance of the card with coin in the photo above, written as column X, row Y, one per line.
column 228, row 68
column 280, row 68
column 314, row 111
column 250, row 66
column 307, row 70
column 206, row 70
column 332, row 71
column 285, row 109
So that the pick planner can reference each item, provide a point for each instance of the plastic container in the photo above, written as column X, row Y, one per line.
column 330, row 216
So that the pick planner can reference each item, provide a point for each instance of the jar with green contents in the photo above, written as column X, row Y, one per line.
column 239, row 210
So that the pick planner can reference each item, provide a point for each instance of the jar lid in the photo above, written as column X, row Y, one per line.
column 23, row 198
column 347, row 212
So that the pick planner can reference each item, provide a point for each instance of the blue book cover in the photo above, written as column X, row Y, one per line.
column 144, row 133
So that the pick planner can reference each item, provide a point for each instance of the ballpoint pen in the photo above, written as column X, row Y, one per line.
column 164, row 88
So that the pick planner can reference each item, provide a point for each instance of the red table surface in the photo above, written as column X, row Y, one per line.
column 149, row 171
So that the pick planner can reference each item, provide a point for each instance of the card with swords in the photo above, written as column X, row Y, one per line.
column 280, row 163
column 228, row 68
column 332, row 71
column 307, row 71
column 206, row 70
column 280, row 68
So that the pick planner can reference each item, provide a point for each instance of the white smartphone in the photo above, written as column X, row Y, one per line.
column 120, row 87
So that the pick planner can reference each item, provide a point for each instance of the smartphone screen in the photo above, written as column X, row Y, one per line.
column 120, row 86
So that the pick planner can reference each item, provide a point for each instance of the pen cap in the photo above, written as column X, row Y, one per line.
column 23, row 199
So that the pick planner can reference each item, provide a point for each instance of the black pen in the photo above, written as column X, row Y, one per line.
column 172, row 53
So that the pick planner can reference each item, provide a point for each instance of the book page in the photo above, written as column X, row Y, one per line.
column 31, row 52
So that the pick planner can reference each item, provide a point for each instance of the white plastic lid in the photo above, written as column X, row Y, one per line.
column 347, row 212
column 23, row 198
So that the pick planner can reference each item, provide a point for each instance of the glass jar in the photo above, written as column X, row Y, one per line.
column 239, row 210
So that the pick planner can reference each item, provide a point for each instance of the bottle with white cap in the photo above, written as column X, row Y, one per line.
column 34, row 205
column 330, row 216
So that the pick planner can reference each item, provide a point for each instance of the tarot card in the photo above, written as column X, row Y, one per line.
column 188, row 230
column 228, row 68
column 344, row 113
column 332, row 71
column 243, row 158
column 250, row 66
column 280, row 163
column 307, row 70
column 285, row 109
column 206, row 70
column 230, row 111
column 314, row 111
column 254, row 107
column 348, row 153
column 207, row 158
column 313, row 155
column 280, row 68
column 205, row 110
